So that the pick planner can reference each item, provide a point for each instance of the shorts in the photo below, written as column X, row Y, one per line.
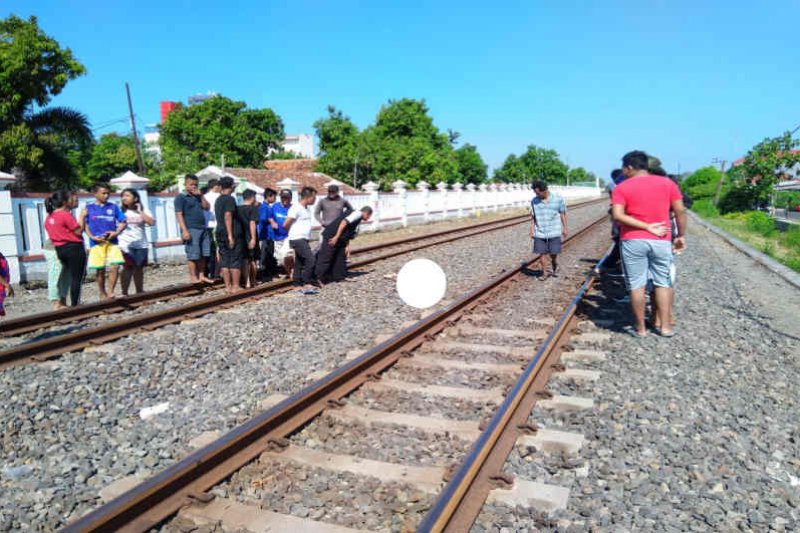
column 647, row 258
column 198, row 245
column 550, row 246
column 135, row 257
column 104, row 254
column 283, row 250
column 231, row 257
column 254, row 254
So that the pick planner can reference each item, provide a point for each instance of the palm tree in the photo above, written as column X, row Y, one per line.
column 63, row 137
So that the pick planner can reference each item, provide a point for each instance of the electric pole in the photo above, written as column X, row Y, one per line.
column 722, row 163
column 139, row 159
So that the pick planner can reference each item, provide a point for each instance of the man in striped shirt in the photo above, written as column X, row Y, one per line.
column 548, row 225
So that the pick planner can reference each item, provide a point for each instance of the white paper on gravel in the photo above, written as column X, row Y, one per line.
column 157, row 409
column 421, row 283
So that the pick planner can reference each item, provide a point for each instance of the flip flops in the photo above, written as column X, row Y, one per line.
column 308, row 291
column 630, row 330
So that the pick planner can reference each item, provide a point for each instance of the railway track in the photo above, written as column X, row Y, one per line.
column 463, row 361
column 36, row 350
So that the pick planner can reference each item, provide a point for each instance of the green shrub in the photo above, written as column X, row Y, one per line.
column 791, row 238
column 702, row 184
column 760, row 223
column 705, row 208
column 736, row 215
column 787, row 199
column 739, row 198
column 793, row 263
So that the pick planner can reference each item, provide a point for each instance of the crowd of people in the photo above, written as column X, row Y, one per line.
column 244, row 243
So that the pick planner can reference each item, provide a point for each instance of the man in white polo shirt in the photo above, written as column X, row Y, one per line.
column 298, row 224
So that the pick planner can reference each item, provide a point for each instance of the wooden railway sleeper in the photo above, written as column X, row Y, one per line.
column 201, row 498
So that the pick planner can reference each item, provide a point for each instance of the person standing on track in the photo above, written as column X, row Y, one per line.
column 247, row 213
column 65, row 234
column 103, row 221
column 330, row 208
column 133, row 240
column 641, row 205
column 211, row 195
column 548, row 225
column 298, row 224
column 331, row 261
column 268, row 264
column 230, row 236
column 278, row 234
column 190, row 208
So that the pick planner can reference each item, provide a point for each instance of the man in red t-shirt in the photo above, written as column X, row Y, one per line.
column 641, row 205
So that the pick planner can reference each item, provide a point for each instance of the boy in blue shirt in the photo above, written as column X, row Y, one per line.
column 103, row 221
column 276, row 232
column 268, row 264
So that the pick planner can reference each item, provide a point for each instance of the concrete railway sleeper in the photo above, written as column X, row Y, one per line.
column 55, row 345
column 468, row 358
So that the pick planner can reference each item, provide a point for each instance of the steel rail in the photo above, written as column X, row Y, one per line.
column 463, row 497
column 161, row 496
column 37, row 321
column 34, row 322
column 47, row 348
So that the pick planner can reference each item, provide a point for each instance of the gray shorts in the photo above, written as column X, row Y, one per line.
column 550, row 246
column 198, row 245
column 647, row 258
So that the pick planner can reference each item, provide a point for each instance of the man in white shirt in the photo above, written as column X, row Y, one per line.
column 214, row 191
column 298, row 224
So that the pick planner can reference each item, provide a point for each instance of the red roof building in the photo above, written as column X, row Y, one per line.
column 300, row 170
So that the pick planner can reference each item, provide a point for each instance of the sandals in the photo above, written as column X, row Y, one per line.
column 630, row 330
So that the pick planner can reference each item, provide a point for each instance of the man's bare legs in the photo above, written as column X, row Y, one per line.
column 113, row 275
column 197, row 271
column 662, row 318
column 637, row 305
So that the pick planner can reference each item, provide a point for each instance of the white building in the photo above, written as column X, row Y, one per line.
column 150, row 141
column 301, row 144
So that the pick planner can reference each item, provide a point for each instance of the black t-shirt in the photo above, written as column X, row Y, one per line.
column 246, row 214
column 353, row 220
column 226, row 203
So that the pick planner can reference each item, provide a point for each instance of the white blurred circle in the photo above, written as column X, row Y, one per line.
column 421, row 283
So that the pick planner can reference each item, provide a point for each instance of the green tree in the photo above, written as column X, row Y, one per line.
column 196, row 136
column 702, row 183
column 471, row 168
column 339, row 141
column 579, row 175
column 402, row 144
column 535, row 164
column 42, row 144
column 113, row 155
column 752, row 181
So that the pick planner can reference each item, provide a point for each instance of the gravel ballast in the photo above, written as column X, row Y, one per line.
column 695, row 433
column 74, row 425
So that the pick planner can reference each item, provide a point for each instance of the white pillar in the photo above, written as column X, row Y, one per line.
column 371, row 188
column 457, row 189
column 8, row 237
column 483, row 197
column 442, row 188
column 399, row 188
column 424, row 188
column 494, row 196
column 471, row 195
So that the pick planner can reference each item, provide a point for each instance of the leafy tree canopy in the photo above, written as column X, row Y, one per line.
column 41, row 144
column 754, row 179
column 196, row 136
column 535, row 164
column 402, row 144
column 471, row 168
column 579, row 175
column 702, row 183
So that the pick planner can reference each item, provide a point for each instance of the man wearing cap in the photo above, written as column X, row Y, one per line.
column 276, row 232
column 332, row 207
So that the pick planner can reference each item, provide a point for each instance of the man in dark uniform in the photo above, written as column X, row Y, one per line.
column 332, row 256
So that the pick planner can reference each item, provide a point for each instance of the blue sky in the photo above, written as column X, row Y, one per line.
column 688, row 81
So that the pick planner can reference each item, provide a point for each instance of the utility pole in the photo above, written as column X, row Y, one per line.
column 139, row 159
column 722, row 163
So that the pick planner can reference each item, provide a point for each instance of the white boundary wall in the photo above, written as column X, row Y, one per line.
column 22, row 217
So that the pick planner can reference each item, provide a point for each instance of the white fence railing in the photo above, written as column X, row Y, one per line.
column 22, row 217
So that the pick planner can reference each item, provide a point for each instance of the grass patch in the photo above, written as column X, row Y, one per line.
column 758, row 230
